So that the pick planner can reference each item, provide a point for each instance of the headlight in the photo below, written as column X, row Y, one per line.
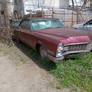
column 60, row 48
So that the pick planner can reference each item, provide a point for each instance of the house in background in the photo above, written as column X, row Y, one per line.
column 23, row 7
column 34, row 4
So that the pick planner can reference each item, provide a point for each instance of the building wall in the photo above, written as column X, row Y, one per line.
column 22, row 6
column 52, row 3
column 63, row 3
column 34, row 4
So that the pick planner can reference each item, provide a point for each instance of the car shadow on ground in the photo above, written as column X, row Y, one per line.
column 35, row 57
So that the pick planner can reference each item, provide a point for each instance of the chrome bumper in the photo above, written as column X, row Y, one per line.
column 56, row 60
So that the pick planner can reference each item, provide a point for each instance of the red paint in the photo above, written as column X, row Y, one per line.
column 50, row 38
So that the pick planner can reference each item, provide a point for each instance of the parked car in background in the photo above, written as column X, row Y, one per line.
column 50, row 38
column 84, row 26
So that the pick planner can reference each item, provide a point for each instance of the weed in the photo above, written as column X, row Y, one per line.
column 20, row 57
column 45, row 63
column 52, row 84
column 22, row 60
column 58, row 87
column 74, row 73
column 71, row 73
column 1, row 50
column 4, row 41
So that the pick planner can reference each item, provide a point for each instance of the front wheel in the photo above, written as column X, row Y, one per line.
column 43, row 52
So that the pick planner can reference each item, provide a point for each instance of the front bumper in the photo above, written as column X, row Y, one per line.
column 56, row 60
column 80, row 49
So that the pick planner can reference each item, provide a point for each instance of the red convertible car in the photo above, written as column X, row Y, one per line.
column 51, row 39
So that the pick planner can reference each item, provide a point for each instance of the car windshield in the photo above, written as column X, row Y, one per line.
column 46, row 24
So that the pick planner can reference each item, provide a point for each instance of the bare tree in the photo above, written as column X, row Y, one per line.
column 6, row 31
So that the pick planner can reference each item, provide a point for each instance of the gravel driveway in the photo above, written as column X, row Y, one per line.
column 18, row 73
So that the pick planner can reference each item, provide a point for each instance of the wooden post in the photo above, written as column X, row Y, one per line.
column 72, row 17
column 16, row 15
column 72, row 13
column 52, row 12
column 77, row 16
column 22, row 16
column 42, row 13
column 31, row 14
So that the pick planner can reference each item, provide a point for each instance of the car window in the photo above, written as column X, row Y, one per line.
column 45, row 24
column 25, row 24
column 89, row 22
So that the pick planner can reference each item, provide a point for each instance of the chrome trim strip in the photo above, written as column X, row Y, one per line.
column 76, row 44
column 74, row 52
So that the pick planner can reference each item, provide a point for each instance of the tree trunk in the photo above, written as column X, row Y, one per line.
column 6, row 32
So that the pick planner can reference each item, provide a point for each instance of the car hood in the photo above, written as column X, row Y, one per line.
column 65, row 35
column 78, row 26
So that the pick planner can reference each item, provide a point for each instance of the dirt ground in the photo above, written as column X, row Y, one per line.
column 19, row 73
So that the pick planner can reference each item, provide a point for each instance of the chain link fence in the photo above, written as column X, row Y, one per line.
column 67, row 16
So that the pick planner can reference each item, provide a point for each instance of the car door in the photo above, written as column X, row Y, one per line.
column 22, row 30
column 27, row 35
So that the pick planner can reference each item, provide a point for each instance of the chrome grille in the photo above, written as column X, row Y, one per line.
column 77, row 47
